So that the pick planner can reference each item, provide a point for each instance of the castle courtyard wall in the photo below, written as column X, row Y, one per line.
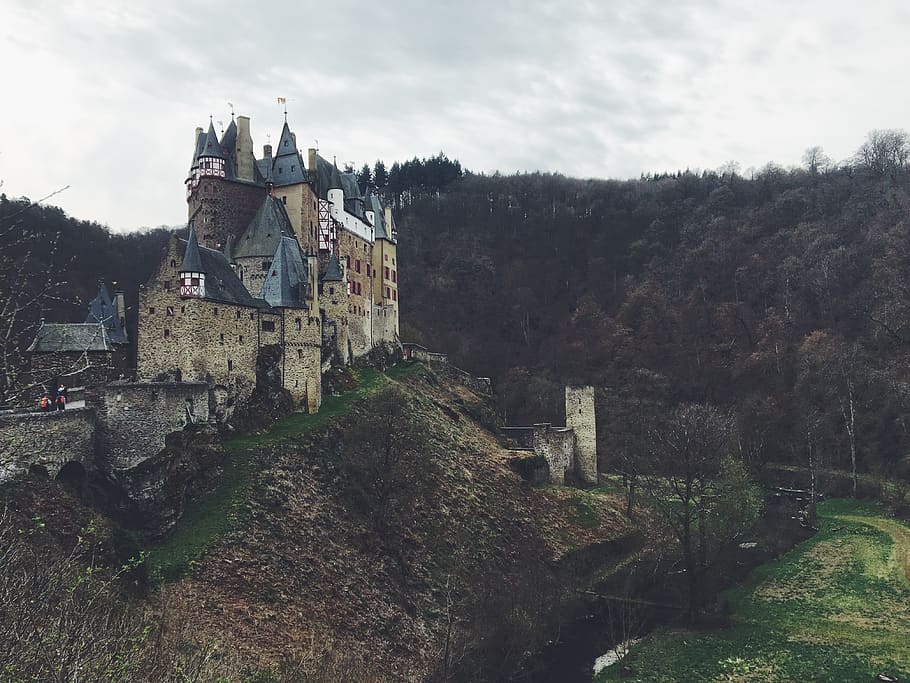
column 135, row 418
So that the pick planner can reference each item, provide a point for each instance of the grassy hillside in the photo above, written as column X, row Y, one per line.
column 836, row 608
column 290, row 566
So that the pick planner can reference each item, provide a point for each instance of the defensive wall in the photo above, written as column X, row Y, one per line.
column 439, row 362
column 555, row 444
column 122, row 425
column 45, row 440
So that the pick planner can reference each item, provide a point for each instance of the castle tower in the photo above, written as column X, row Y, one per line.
column 580, row 417
column 334, row 300
column 192, row 275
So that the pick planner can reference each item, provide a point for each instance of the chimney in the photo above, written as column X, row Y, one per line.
column 267, row 151
column 311, row 160
column 244, row 149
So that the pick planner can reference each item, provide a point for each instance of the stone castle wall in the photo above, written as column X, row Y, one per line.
column 557, row 445
column 135, row 418
column 46, row 440
column 219, row 208
column 301, row 365
column 439, row 362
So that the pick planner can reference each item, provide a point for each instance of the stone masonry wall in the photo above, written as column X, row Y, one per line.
column 135, row 418
column 205, row 340
column 580, row 418
column 301, row 367
column 219, row 208
column 49, row 440
column 557, row 445
column 439, row 362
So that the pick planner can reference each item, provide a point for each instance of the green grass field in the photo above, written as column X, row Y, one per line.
column 215, row 514
column 835, row 608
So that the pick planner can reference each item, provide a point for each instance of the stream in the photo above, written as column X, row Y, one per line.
column 649, row 595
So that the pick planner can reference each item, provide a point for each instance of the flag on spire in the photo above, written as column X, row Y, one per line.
column 281, row 100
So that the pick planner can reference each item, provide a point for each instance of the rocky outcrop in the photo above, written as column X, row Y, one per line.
column 153, row 494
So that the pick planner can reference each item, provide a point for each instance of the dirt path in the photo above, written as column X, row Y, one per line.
column 899, row 533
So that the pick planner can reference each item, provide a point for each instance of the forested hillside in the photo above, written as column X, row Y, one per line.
column 781, row 298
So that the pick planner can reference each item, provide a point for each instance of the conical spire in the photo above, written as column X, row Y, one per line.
column 333, row 270
column 285, row 285
column 211, row 147
column 192, row 260
column 287, row 144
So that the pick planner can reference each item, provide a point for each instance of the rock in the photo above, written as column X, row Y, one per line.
column 887, row 677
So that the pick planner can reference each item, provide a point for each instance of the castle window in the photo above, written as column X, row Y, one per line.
column 331, row 290
column 357, row 265
column 394, row 276
column 347, row 261
column 268, row 325
column 241, row 338
column 251, row 316
column 297, row 324
column 368, row 270
column 173, row 263
column 222, row 338
column 388, row 293
column 386, row 271
column 280, row 170
column 151, row 310
column 167, row 285
column 170, row 311
column 359, row 288
column 230, row 365
column 167, row 333
column 300, row 353
column 386, row 257
column 293, row 168
column 284, row 200
column 394, row 295
column 238, row 315
column 194, row 281
column 183, row 309
column 393, row 260
column 215, row 311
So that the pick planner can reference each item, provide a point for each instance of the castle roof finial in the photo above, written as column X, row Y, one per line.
column 192, row 260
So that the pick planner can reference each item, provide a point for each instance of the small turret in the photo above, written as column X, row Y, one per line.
column 211, row 157
column 333, row 270
column 192, row 275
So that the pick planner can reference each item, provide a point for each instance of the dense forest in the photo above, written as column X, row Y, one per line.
column 780, row 298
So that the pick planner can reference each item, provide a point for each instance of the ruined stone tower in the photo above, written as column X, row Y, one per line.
column 580, row 418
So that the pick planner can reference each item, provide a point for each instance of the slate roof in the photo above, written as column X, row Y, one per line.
column 229, row 148
column 71, row 337
column 210, row 146
column 265, row 231
column 192, row 261
column 200, row 143
column 102, row 309
column 286, row 284
column 333, row 270
column 353, row 202
column 221, row 282
column 371, row 203
column 288, row 167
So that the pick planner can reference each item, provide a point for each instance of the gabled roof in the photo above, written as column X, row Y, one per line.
column 221, row 282
column 102, row 309
column 192, row 261
column 353, row 202
column 210, row 146
column 265, row 231
column 286, row 284
column 70, row 337
column 333, row 270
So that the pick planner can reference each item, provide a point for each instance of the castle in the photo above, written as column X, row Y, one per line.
column 284, row 251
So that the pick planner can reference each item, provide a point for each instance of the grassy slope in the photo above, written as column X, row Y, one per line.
column 836, row 608
column 283, row 563
column 211, row 517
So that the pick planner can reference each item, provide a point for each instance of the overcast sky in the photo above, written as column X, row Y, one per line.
column 105, row 96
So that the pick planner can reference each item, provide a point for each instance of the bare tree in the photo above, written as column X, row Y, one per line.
column 884, row 151
column 815, row 160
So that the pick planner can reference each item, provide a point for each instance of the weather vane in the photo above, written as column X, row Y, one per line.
column 231, row 105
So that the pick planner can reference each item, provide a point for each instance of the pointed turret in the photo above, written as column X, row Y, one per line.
column 286, row 284
column 192, row 275
column 211, row 157
column 288, row 167
column 335, row 179
column 229, row 149
column 333, row 270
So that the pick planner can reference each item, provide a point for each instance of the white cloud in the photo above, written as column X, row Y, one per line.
column 104, row 96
